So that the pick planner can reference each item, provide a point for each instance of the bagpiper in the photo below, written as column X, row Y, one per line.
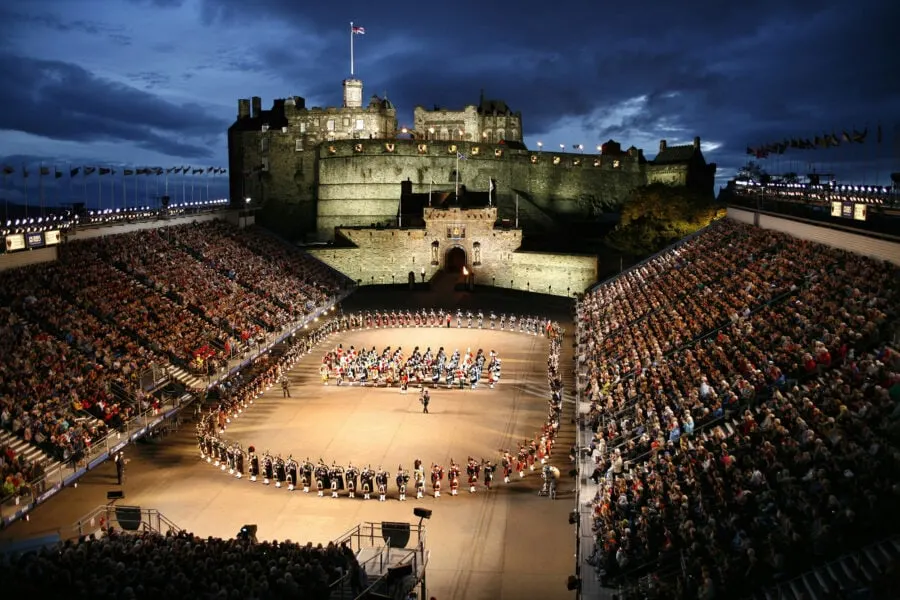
column 321, row 477
column 493, row 318
column 268, row 469
column 453, row 477
column 280, row 471
column 306, row 475
column 437, row 475
column 254, row 463
column 402, row 482
column 336, row 478
column 506, row 463
column 238, row 461
column 521, row 460
column 381, row 480
column 291, row 472
column 351, row 474
column 366, row 479
column 419, row 477
column 488, row 469
column 472, row 471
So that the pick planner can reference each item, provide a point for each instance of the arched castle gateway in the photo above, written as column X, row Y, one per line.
column 450, row 239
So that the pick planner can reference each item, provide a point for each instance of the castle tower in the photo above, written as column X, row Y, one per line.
column 353, row 93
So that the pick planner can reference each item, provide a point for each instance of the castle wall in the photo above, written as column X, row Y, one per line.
column 359, row 181
column 388, row 255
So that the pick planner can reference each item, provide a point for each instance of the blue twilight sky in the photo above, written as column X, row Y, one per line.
column 156, row 82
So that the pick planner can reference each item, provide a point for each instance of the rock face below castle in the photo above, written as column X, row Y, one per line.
column 315, row 169
column 453, row 239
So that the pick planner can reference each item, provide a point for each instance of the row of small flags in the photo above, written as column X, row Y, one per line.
column 86, row 171
column 827, row 140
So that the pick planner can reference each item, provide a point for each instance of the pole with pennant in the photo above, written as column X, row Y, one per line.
column 490, row 191
column 42, row 170
column 25, row 178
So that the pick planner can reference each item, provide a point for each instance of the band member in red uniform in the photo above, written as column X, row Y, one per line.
column 437, row 475
column 453, row 477
column 472, row 471
column 506, row 463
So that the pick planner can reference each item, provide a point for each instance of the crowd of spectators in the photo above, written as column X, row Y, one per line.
column 16, row 472
column 744, row 407
column 150, row 566
column 77, row 334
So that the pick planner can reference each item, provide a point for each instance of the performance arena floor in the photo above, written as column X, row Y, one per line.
column 509, row 543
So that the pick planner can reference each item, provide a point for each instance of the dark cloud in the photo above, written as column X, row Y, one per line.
column 22, row 20
column 63, row 101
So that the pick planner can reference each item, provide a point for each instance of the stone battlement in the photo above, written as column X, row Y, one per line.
column 480, row 152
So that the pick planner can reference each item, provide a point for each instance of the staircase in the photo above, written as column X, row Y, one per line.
column 24, row 450
column 851, row 573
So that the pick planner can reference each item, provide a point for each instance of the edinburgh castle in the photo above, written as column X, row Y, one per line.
column 315, row 169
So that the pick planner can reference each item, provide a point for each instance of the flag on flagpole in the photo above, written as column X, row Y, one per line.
column 57, row 173
column 7, row 170
column 358, row 30
column 461, row 156
column 45, row 171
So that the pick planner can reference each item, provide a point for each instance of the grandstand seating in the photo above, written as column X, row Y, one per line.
column 77, row 334
column 176, row 566
column 745, row 410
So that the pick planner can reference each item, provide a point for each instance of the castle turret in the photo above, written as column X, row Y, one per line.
column 353, row 93
column 256, row 107
column 662, row 146
column 697, row 143
column 243, row 108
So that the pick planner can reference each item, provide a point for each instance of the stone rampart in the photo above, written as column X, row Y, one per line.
column 359, row 180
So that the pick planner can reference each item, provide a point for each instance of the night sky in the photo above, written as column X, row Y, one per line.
column 155, row 83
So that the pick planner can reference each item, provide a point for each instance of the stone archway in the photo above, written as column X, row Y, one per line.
column 455, row 260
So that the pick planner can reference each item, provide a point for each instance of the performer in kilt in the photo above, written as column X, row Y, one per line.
column 472, row 471
column 419, row 478
column 488, row 468
column 306, row 475
column 506, row 464
column 238, row 460
column 351, row 475
column 321, row 475
column 268, row 467
column 336, row 477
column 367, row 481
column 280, row 471
column 453, row 478
column 402, row 482
column 437, row 476
column 381, row 482
column 254, row 463
column 291, row 471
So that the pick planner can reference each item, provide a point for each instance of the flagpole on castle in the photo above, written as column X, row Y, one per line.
column 457, row 176
column 490, row 191
column 351, row 48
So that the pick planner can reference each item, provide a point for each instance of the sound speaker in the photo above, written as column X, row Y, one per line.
column 115, row 495
column 129, row 517
column 422, row 513
column 395, row 534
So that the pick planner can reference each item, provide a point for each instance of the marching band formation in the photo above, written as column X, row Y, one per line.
column 352, row 481
column 371, row 368
column 441, row 318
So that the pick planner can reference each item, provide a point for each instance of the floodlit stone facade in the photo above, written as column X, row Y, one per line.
column 314, row 169
column 456, row 237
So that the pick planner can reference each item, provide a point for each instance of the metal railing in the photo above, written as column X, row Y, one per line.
column 59, row 475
